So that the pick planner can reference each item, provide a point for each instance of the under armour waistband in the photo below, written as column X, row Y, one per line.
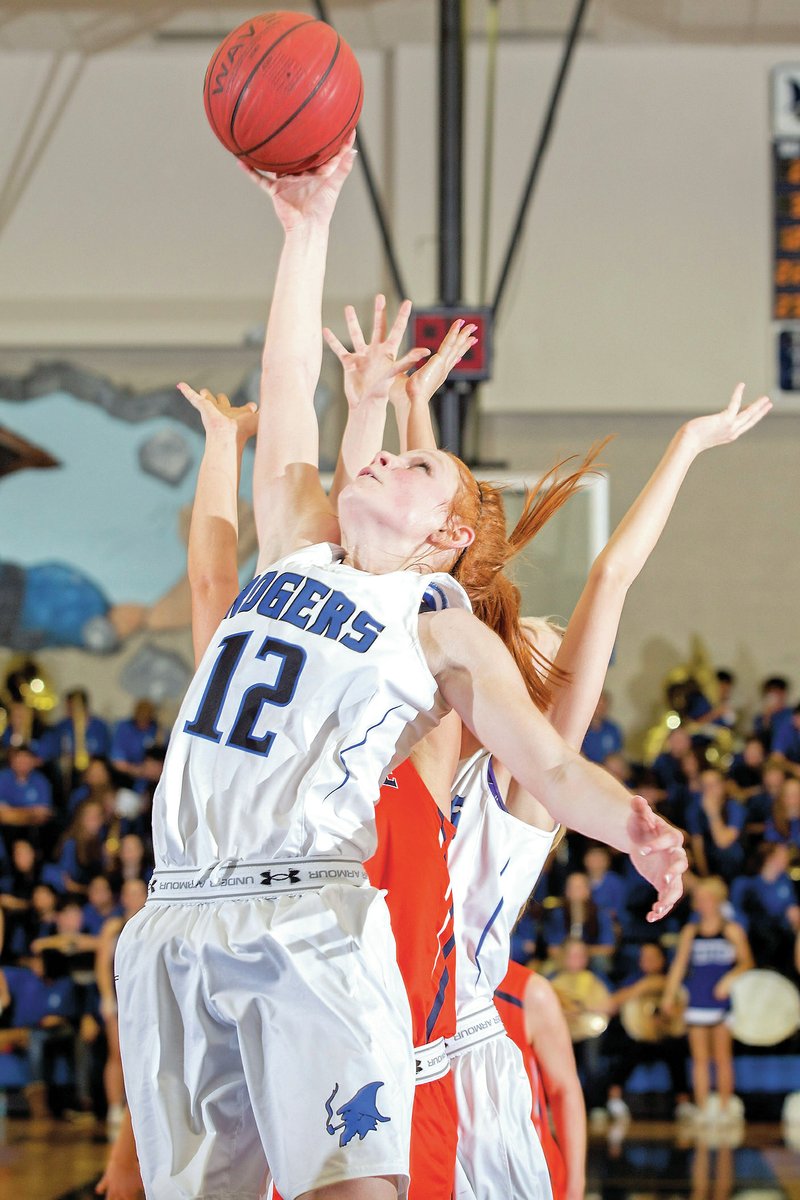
column 252, row 878
column 480, row 1026
column 431, row 1061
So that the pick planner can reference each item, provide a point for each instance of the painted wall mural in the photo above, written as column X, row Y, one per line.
column 96, row 484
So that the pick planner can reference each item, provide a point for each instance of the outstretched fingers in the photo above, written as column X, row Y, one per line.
column 399, row 326
column 736, row 399
column 670, row 889
column 336, row 346
column 194, row 398
column 751, row 416
column 409, row 360
column 354, row 329
column 379, row 319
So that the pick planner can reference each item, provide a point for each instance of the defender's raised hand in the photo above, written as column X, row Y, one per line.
column 718, row 429
column 420, row 387
column 218, row 414
column 370, row 367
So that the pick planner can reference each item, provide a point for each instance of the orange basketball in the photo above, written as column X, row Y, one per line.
column 283, row 92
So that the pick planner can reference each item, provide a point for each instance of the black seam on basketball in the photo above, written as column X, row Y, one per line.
column 207, row 93
column 307, row 101
column 207, row 96
column 287, row 33
column 299, row 161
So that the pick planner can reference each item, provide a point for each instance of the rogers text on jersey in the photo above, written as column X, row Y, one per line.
column 308, row 604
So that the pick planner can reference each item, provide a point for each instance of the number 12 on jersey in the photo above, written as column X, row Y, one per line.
column 291, row 660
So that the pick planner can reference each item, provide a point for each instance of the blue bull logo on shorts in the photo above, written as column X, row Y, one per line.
column 360, row 1115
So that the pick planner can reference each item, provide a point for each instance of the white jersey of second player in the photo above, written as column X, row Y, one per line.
column 313, row 687
column 495, row 860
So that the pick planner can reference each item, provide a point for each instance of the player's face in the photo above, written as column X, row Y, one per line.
column 412, row 493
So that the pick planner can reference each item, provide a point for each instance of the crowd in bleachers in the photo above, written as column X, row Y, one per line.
column 76, row 857
column 75, row 860
column 733, row 786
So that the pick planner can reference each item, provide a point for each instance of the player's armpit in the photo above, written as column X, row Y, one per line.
column 293, row 511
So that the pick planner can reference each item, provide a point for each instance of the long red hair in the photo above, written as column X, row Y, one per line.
column 480, row 568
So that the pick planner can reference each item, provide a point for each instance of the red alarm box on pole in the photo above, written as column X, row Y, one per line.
column 430, row 325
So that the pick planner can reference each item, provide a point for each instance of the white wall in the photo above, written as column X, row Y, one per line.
column 727, row 568
column 644, row 278
column 138, row 227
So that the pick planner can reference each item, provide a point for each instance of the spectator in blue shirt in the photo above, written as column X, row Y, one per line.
column 26, row 797
column 608, row 889
column 786, row 740
column 783, row 825
column 775, row 710
column 668, row 765
column 101, row 905
column 715, row 823
column 603, row 736
column 93, row 733
column 723, row 712
column 688, row 700
column 82, row 849
column 579, row 919
column 96, row 784
column 747, row 768
column 132, row 739
column 766, row 905
column 133, row 860
column 760, row 806
column 679, row 794
column 46, row 1008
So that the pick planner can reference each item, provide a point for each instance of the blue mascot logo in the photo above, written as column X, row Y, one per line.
column 360, row 1115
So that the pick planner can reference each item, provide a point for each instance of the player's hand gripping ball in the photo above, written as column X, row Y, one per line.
column 283, row 92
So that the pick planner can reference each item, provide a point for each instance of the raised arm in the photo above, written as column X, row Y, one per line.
column 290, row 505
column 214, row 529
column 589, row 640
column 369, row 369
column 478, row 678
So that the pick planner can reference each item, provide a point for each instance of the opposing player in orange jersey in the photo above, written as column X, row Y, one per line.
column 534, row 1021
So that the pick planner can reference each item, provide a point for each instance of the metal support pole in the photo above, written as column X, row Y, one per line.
column 544, row 140
column 451, row 214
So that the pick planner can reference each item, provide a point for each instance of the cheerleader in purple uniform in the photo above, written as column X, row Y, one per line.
column 711, row 952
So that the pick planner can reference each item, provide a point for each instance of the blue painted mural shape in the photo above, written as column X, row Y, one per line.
column 92, row 548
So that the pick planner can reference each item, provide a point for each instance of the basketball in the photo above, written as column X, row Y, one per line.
column 283, row 92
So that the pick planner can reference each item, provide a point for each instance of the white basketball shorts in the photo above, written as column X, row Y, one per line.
column 499, row 1154
column 265, row 1038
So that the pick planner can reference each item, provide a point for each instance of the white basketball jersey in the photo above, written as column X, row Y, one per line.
column 495, row 860
column 314, row 685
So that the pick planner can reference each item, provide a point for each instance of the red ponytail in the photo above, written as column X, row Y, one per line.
column 480, row 568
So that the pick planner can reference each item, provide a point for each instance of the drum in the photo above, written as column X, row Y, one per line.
column 765, row 1008
column 643, row 1020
